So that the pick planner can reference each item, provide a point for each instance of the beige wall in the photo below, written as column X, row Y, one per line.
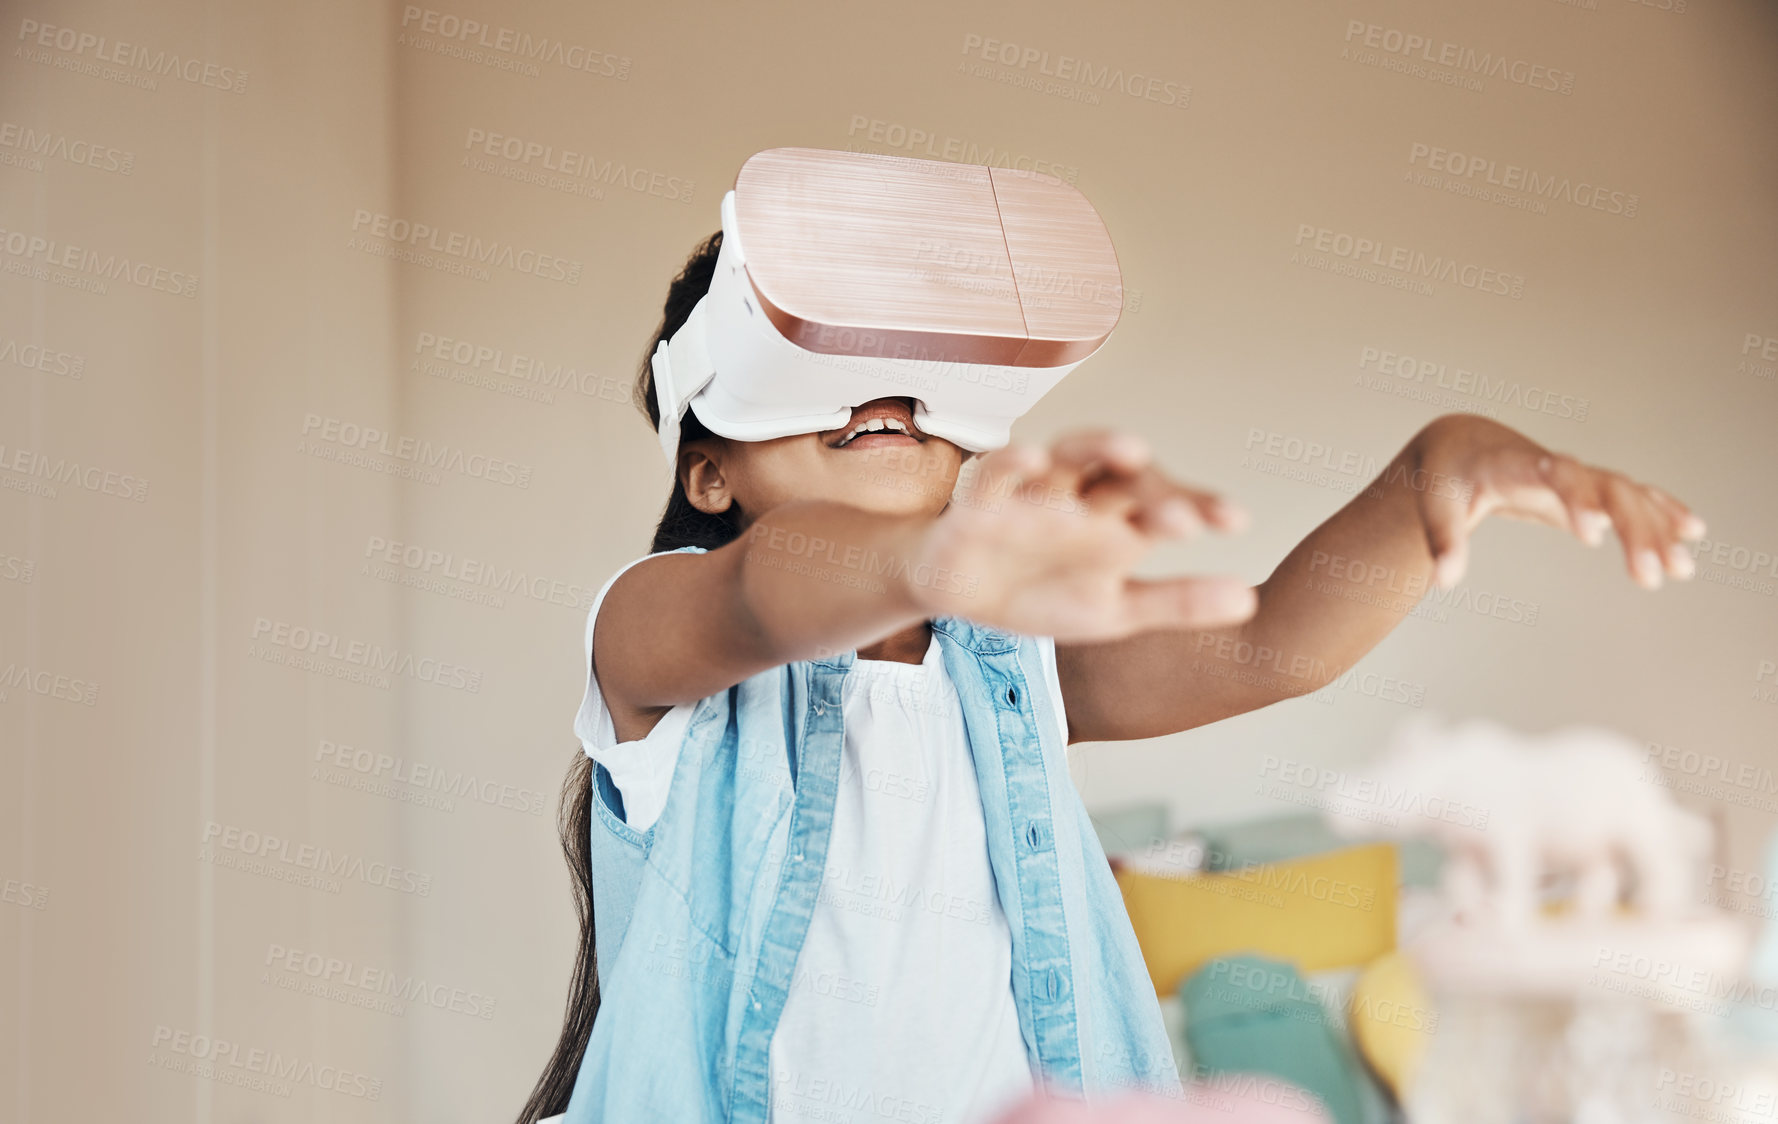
column 223, row 515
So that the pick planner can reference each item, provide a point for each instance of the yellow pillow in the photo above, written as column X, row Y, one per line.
column 1391, row 1017
column 1326, row 911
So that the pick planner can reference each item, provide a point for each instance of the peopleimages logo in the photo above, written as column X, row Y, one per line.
column 309, row 857
column 1745, row 565
column 31, row 144
column 424, row 566
column 466, row 248
column 1462, row 380
column 1403, row 259
column 362, row 985
column 1068, row 68
column 421, row 776
column 34, row 254
column 1408, row 45
column 1678, row 983
column 1513, row 177
column 102, row 48
column 36, row 357
column 361, row 654
column 471, row 37
column 1369, row 791
column 23, row 894
column 265, row 1071
column 579, row 173
column 1710, row 1096
column 482, row 358
column 48, row 684
column 40, row 467
column 417, row 453
column 922, row 143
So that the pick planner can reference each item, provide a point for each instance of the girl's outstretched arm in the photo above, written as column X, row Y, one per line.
column 1355, row 577
column 1037, row 541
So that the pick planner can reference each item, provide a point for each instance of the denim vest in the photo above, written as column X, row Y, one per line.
column 699, row 919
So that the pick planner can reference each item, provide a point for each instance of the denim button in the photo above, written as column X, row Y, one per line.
column 820, row 708
column 1034, row 835
column 1054, row 983
column 1012, row 695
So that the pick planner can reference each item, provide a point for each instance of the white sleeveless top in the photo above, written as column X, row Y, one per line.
column 901, row 1004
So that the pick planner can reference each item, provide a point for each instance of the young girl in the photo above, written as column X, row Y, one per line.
column 828, row 858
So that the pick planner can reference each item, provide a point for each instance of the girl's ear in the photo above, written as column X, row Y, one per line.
column 705, row 485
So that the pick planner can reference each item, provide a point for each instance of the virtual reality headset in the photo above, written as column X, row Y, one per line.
column 845, row 277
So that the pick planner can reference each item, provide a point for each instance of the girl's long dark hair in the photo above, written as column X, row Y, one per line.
column 681, row 524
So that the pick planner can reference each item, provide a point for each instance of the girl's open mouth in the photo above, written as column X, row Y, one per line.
column 881, row 421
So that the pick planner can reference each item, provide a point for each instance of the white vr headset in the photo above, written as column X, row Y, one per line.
column 845, row 277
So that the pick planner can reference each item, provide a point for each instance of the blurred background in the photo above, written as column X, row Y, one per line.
column 318, row 328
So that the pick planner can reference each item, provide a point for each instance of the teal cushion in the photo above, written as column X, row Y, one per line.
column 1131, row 829
column 1244, row 843
column 1254, row 1015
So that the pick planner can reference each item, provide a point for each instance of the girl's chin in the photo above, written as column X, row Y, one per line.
column 880, row 502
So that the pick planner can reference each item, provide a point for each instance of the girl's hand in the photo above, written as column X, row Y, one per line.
column 1472, row 467
column 1046, row 540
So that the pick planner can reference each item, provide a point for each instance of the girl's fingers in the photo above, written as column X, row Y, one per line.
column 1224, row 514
column 1203, row 509
column 1162, row 507
column 1003, row 471
column 1113, row 471
column 1117, row 450
column 1171, row 512
column 1650, row 523
column 1178, row 510
column 1639, row 528
column 1578, row 488
column 1686, row 523
column 1083, row 455
column 1153, row 504
column 1673, row 520
column 1188, row 603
